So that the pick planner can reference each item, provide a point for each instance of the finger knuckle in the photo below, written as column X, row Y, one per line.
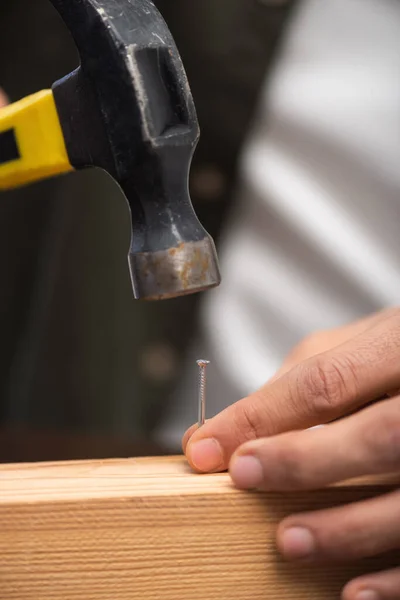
column 328, row 384
column 247, row 421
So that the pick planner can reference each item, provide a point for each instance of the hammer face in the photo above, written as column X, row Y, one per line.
column 186, row 268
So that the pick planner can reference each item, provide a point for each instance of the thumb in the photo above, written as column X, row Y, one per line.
column 266, row 412
column 209, row 448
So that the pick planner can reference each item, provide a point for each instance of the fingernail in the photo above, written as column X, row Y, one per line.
column 206, row 455
column 246, row 472
column 367, row 595
column 298, row 542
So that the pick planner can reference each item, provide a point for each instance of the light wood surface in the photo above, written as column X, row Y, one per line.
column 149, row 528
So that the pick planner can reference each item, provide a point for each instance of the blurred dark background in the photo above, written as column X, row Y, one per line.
column 85, row 370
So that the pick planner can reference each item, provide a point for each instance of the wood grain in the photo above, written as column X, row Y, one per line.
column 149, row 528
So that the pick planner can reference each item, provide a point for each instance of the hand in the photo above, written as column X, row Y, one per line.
column 3, row 98
column 320, row 341
column 264, row 441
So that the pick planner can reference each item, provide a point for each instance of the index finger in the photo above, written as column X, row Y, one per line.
column 321, row 389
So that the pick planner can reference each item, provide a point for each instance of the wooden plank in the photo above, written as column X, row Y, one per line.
column 149, row 528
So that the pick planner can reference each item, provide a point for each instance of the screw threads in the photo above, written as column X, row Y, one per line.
column 202, row 364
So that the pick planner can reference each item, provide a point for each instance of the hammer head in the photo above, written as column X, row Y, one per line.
column 128, row 109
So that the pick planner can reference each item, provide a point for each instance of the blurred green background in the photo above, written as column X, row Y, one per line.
column 86, row 370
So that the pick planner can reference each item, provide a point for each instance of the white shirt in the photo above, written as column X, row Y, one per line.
column 315, row 241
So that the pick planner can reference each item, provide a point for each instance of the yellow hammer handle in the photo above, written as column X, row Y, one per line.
column 31, row 141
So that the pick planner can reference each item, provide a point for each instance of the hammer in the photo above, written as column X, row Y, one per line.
column 127, row 109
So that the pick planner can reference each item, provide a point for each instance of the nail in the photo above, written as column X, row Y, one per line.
column 367, row 595
column 206, row 455
column 202, row 364
column 246, row 472
column 297, row 543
